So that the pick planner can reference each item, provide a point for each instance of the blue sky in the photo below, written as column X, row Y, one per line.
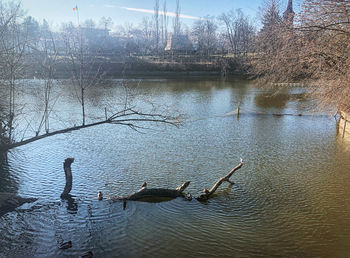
column 132, row 11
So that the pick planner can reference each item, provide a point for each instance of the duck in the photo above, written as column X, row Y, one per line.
column 188, row 197
column 99, row 196
column 87, row 255
column 66, row 245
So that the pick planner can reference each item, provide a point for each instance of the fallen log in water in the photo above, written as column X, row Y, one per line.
column 145, row 194
column 208, row 193
column 150, row 194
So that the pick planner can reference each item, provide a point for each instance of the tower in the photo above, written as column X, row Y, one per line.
column 288, row 15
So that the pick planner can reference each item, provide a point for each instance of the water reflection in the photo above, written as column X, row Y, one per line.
column 278, row 100
column 8, row 183
column 272, row 101
column 72, row 205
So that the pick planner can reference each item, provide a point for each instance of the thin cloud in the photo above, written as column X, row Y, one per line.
column 109, row 6
column 170, row 14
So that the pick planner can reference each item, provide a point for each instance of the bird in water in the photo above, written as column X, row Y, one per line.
column 87, row 255
column 188, row 197
column 66, row 245
column 99, row 196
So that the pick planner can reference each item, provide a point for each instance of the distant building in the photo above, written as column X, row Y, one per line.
column 179, row 43
column 288, row 15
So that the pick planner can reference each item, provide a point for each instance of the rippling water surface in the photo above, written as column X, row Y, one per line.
column 291, row 198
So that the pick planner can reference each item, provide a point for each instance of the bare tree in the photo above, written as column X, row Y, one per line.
column 270, row 13
column 204, row 34
column 89, row 23
column 324, row 29
column 156, row 25
column 106, row 23
column 239, row 31
column 176, row 20
column 269, row 43
column 13, row 40
column 76, row 50
column 315, row 50
column 45, row 54
column 164, row 25
column 147, row 25
column 85, row 67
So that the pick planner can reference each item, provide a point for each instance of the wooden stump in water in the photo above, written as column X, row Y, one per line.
column 69, row 178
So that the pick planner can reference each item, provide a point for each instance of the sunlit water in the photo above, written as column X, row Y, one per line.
column 291, row 198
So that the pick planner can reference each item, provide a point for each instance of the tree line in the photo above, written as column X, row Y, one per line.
column 230, row 33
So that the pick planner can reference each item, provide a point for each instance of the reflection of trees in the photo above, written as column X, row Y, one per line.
column 2, row 127
column 8, row 183
column 266, row 100
column 277, row 100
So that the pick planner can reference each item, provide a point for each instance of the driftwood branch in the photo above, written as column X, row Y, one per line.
column 69, row 178
column 207, row 193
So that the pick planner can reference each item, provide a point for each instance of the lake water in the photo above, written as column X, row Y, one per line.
column 291, row 197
